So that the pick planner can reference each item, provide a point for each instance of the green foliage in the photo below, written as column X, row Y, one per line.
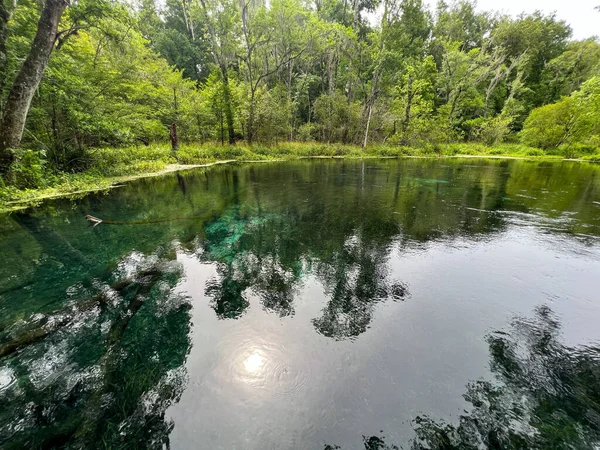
column 336, row 119
column 541, row 38
column 29, row 171
column 269, row 73
column 567, row 72
column 272, row 111
column 572, row 121
column 549, row 126
column 493, row 131
column 306, row 132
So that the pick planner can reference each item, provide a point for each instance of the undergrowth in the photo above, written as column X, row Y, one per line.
column 30, row 178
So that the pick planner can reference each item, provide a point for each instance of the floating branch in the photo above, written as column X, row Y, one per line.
column 93, row 220
column 96, row 221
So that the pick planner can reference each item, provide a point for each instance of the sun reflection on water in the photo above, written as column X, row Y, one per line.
column 262, row 366
column 254, row 362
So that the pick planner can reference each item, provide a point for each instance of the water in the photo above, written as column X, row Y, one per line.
column 308, row 305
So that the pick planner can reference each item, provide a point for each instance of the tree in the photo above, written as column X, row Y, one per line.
column 279, row 70
column 28, row 80
column 106, row 86
column 567, row 72
column 413, row 103
column 458, row 23
column 542, row 38
column 222, row 23
column 262, row 31
column 551, row 125
column 7, row 8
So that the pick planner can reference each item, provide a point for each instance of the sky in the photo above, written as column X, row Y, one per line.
column 580, row 14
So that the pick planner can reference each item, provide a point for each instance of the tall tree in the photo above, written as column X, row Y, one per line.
column 27, row 81
column 221, row 24
column 7, row 8
column 258, row 61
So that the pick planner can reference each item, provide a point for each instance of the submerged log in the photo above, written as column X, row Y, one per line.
column 32, row 336
column 94, row 411
column 87, row 425
column 96, row 220
column 51, row 323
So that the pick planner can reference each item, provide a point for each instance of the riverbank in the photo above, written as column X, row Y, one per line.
column 108, row 168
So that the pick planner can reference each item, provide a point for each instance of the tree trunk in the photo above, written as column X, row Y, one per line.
column 221, row 61
column 221, row 124
column 189, row 25
column 292, row 122
column 173, row 136
column 369, row 105
column 409, row 100
column 250, row 124
column 366, row 137
column 331, row 89
column 7, row 8
column 227, row 101
column 28, row 80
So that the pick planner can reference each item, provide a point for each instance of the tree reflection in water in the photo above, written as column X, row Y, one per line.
column 545, row 396
column 355, row 280
column 370, row 443
column 227, row 293
column 249, row 257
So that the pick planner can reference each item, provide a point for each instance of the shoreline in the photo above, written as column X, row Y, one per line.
column 109, row 183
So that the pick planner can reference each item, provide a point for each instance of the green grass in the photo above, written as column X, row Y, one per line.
column 33, row 182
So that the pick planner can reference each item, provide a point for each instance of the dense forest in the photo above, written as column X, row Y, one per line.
column 85, row 74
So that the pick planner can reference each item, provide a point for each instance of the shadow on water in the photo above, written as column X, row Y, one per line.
column 545, row 394
column 94, row 334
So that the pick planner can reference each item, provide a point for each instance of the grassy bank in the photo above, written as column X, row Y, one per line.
column 31, row 181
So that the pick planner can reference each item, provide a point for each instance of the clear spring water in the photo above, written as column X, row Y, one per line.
column 308, row 305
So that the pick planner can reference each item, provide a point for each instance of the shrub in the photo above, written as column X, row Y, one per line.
column 550, row 125
column 534, row 152
column 573, row 120
column 583, row 149
column 28, row 171
column 494, row 130
column 306, row 132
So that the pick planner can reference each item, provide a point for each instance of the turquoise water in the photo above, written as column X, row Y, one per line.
column 332, row 304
